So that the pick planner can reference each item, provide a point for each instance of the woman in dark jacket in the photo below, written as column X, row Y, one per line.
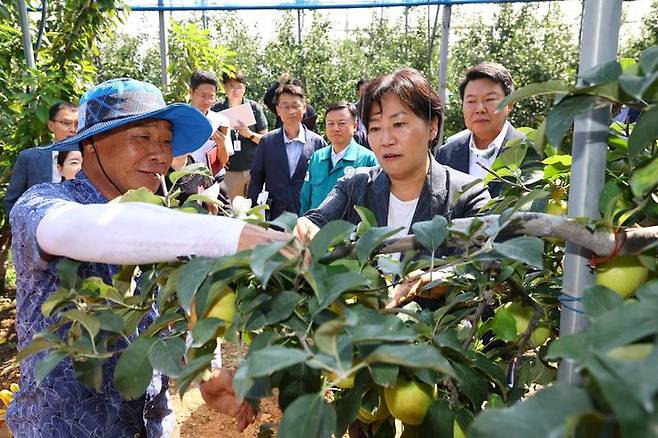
column 402, row 115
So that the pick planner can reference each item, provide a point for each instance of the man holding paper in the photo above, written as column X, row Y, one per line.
column 216, row 151
column 249, row 129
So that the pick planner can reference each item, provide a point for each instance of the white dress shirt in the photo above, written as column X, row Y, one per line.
column 294, row 148
column 484, row 157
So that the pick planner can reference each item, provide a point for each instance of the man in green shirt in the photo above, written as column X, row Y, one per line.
column 328, row 164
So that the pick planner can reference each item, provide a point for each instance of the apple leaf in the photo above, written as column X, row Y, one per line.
column 439, row 420
column 310, row 414
column 431, row 234
column 645, row 131
column 561, row 117
column 192, row 275
column 412, row 356
column 544, row 414
column 331, row 234
column 271, row 359
column 266, row 259
column 524, row 249
column 166, row 356
column 645, row 179
column 134, row 372
column 47, row 364
column 598, row 300
column 504, row 325
column 371, row 240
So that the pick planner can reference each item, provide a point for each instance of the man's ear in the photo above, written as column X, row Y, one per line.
column 51, row 126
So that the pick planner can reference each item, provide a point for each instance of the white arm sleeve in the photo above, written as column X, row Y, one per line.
column 134, row 233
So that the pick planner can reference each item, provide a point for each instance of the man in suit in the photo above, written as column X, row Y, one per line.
column 34, row 165
column 282, row 156
column 471, row 151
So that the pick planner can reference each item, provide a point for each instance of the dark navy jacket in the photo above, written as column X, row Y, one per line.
column 33, row 166
column 455, row 153
column 370, row 187
column 270, row 168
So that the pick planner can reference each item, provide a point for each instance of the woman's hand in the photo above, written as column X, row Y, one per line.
column 218, row 393
column 412, row 287
column 305, row 230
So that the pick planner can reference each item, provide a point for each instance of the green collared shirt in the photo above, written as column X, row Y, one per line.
column 322, row 176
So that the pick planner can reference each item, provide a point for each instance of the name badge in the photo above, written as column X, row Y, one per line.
column 262, row 197
column 237, row 145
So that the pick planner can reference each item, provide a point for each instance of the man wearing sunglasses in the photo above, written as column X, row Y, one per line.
column 35, row 166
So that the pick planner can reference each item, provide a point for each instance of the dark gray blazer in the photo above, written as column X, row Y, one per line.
column 33, row 166
column 455, row 153
column 270, row 168
column 370, row 187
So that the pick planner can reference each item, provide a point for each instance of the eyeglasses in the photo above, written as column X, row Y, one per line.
column 295, row 107
column 67, row 123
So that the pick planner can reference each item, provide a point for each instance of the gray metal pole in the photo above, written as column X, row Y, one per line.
column 600, row 34
column 27, row 38
column 164, row 48
column 443, row 61
column 299, row 26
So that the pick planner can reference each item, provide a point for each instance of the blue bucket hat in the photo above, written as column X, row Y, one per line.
column 118, row 102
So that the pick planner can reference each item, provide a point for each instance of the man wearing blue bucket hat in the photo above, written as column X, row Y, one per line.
column 128, row 136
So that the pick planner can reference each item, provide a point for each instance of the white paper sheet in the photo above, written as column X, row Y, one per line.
column 240, row 115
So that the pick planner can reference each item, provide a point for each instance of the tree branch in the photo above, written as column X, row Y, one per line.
column 601, row 242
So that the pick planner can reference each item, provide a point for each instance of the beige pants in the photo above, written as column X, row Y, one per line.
column 237, row 183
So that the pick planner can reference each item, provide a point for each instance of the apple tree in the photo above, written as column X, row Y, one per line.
column 320, row 335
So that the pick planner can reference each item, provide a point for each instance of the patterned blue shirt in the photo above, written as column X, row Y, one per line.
column 60, row 406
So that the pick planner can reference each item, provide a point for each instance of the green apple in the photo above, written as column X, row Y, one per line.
column 540, row 335
column 457, row 431
column 522, row 316
column 556, row 207
column 632, row 352
column 408, row 400
column 379, row 413
column 623, row 274
column 346, row 383
column 224, row 307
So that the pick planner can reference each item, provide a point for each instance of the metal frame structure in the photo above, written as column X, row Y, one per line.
column 599, row 39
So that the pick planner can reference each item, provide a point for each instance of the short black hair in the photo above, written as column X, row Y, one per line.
column 61, row 156
column 52, row 112
column 360, row 82
column 343, row 104
column 488, row 70
column 202, row 77
column 237, row 76
column 290, row 88
column 413, row 90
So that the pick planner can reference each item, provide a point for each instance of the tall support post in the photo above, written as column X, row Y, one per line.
column 27, row 38
column 443, row 61
column 299, row 27
column 164, row 48
column 599, row 39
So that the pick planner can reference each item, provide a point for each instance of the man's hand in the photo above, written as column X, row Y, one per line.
column 218, row 393
column 222, row 153
column 253, row 235
column 244, row 131
column 409, row 289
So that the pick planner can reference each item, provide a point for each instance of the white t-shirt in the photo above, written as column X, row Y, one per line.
column 400, row 214
column 216, row 120
column 485, row 157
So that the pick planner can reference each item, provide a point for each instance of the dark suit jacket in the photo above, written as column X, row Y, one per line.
column 270, row 167
column 455, row 153
column 370, row 187
column 33, row 166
